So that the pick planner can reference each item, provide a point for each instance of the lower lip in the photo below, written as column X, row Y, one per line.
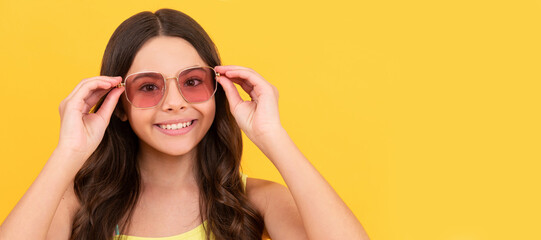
column 176, row 132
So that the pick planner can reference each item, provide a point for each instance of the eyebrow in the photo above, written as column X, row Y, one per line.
column 186, row 71
column 144, row 74
column 152, row 73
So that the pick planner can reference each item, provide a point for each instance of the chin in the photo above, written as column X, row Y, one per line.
column 169, row 148
column 177, row 150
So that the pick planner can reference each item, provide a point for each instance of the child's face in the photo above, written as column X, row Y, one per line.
column 169, row 55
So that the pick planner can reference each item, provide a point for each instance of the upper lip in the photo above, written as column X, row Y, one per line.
column 175, row 121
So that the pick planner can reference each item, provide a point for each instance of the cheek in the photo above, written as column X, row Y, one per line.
column 139, row 122
column 136, row 117
column 209, row 112
column 212, row 111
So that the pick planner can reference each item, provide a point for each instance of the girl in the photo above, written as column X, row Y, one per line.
column 164, row 160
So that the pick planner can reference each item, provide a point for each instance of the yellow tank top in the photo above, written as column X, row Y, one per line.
column 198, row 233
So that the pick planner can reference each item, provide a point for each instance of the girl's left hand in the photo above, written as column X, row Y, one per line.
column 258, row 118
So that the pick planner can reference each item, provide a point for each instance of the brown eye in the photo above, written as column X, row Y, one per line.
column 148, row 88
column 192, row 82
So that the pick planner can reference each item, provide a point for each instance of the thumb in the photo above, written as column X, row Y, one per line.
column 106, row 109
column 231, row 91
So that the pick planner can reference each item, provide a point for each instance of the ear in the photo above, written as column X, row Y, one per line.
column 120, row 113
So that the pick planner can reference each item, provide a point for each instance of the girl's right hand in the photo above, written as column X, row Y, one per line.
column 81, row 131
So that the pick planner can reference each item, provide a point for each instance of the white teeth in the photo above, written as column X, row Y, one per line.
column 175, row 126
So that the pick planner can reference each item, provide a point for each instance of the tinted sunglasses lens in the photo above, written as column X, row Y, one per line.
column 145, row 89
column 197, row 84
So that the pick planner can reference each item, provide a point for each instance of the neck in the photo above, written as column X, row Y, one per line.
column 166, row 171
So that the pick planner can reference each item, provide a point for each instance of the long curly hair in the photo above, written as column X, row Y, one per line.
column 109, row 183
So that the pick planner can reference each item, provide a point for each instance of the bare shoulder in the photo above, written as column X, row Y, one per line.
column 275, row 203
column 60, row 227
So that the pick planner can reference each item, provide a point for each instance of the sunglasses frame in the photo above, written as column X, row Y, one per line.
column 216, row 75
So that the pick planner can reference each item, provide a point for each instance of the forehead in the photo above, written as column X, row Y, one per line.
column 165, row 54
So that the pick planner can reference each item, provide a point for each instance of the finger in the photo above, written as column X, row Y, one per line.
column 225, row 68
column 114, row 80
column 257, row 83
column 100, row 93
column 97, row 97
column 250, row 77
column 90, row 87
column 85, row 82
column 94, row 97
column 108, row 106
column 231, row 92
column 249, row 89
column 77, row 101
column 245, row 85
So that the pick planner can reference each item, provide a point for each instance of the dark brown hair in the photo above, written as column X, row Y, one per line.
column 108, row 185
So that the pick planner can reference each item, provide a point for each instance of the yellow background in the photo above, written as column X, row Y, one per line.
column 423, row 115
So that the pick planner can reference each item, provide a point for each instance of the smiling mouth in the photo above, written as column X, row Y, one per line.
column 175, row 126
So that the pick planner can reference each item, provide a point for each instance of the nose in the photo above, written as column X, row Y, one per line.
column 173, row 99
